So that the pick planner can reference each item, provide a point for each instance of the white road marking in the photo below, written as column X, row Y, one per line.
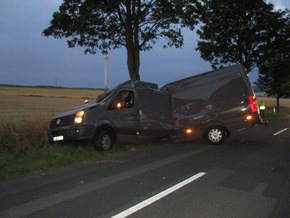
column 277, row 133
column 157, row 197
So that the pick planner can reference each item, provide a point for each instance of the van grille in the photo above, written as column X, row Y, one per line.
column 62, row 121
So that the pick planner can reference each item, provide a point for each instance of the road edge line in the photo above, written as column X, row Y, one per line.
column 157, row 197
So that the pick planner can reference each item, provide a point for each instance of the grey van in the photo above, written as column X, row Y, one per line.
column 133, row 111
column 213, row 104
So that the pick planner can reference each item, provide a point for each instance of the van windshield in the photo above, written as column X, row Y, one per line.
column 103, row 98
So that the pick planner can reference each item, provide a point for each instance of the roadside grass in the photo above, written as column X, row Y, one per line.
column 271, row 113
column 17, row 133
column 40, row 160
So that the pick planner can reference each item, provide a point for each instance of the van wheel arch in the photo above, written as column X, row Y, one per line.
column 104, row 138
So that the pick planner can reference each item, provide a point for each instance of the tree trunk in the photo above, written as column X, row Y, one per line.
column 133, row 62
column 132, row 40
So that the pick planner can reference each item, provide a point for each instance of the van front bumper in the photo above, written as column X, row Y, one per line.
column 70, row 133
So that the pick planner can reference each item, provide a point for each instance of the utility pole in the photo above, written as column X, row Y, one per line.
column 106, row 58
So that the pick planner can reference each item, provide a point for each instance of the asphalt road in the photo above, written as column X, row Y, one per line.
column 248, row 176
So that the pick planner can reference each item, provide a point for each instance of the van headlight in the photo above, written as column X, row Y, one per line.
column 79, row 117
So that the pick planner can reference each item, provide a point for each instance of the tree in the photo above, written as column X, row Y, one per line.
column 236, row 31
column 274, row 75
column 275, row 80
column 106, row 24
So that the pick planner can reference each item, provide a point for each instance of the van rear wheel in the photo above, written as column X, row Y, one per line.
column 215, row 135
column 104, row 140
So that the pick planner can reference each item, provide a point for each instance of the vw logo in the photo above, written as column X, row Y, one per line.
column 57, row 121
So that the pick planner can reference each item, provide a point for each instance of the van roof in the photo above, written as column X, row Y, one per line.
column 134, row 84
column 210, row 75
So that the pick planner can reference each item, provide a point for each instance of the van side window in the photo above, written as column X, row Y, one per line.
column 124, row 99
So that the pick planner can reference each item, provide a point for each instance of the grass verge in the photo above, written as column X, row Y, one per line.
column 272, row 113
column 38, row 160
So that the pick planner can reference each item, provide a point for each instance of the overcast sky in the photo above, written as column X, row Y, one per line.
column 28, row 58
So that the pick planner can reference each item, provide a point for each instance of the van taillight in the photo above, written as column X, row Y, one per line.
column 253, row 104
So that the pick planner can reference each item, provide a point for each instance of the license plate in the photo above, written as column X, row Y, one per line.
column 57, row 138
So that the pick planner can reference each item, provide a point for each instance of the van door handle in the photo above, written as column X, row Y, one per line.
column 133, row 114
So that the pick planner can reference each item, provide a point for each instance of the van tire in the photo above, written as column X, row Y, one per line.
column 104, row 140
column 215, row 135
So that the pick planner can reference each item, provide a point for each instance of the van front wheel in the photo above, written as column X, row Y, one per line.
column 104, row 140
column 215, row 135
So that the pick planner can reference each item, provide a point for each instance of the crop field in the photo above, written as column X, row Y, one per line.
column 25, row 113
column 272, row 102
column 24, row 102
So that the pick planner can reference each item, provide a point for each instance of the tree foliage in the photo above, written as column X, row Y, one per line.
column 274, row 74
column 237, row 31
column 277, row 45
column 275, row 80
column 133, row 24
